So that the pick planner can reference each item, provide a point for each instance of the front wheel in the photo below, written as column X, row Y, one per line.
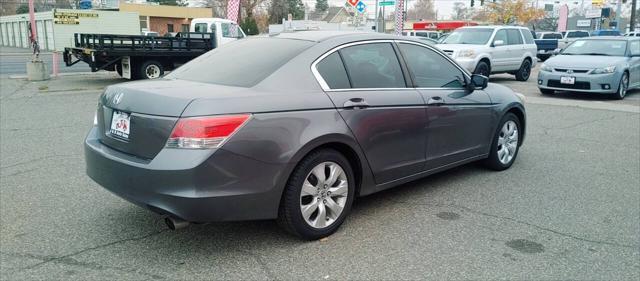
column 483, row 69
column 623, row 87
column 318, row 195
column 505, row 146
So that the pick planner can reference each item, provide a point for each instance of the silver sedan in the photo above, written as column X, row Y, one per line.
column 602, row 65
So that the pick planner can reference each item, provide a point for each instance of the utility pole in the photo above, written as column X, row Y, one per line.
column 618, row 12
column 632, row 21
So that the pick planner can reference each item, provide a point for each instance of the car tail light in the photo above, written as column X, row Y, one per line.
column 205, row 132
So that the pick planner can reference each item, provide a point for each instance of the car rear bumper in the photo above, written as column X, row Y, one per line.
column 586, row 83
column 193, row 185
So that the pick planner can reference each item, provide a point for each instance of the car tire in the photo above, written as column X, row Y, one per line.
column 151, row 69
column 483, row 69
column 546, row 91
column 623, row 87
column 524, row 72
column 299, row 194
column 505, row 147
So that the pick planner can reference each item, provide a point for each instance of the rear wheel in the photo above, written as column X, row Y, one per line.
column 118, row 68
column 525, row 71
column 623, row 87
column 483, row 69
column 318, row 195
column 505, row 146
column 150, row 69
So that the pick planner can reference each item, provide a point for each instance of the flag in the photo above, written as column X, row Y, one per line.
column 232, row 10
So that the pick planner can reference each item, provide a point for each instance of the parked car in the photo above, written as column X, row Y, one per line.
column 150, row 33
column 493, row 49
column 423, row 33
column 599, row 65
column 547, row 43
column 632, row 34
column 606, row 32
column 571, row 35
column 297, row 128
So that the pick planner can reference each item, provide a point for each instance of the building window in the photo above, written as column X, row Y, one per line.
column 169, row 27
column 185, row 28
column 143, row 22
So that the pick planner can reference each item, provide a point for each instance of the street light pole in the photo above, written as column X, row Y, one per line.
column 618, row 11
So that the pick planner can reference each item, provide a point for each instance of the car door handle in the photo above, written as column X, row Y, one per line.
column 355, row 103
column 435, row 101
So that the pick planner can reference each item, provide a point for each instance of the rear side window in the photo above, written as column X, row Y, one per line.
column 373, row 65
column 514, row 37
column 502, row 36
column 243, row 63
column 332, row 71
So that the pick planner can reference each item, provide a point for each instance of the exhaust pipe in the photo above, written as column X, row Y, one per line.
column 175, row 223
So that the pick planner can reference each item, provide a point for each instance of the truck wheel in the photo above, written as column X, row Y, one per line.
column 483, row 69
column 151, row 69
column 525, row 71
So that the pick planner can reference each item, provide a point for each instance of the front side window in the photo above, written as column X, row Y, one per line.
column 514, row 37
column 501, row 35
column 430, row 69
column 333, row 73
column 373, row 65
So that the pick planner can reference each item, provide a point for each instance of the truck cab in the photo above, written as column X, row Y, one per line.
column 225, row 30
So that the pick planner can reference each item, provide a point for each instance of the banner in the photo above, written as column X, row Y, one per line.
column 399, row 17
column 232, row 10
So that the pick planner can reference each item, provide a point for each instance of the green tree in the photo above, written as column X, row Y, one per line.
column 282, row 8
column 250, row 26
column 322, row 5
column 22, row 9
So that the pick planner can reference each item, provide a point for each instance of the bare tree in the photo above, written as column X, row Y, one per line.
column 460, row 11
column 422, row 10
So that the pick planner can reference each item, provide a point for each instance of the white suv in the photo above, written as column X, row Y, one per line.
column 493, row 49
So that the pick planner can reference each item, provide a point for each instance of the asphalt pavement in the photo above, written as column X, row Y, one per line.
column 569, row 208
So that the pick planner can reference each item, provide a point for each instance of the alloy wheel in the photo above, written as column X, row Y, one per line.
column 507, row 142
column 324, row 194
column 624, row 83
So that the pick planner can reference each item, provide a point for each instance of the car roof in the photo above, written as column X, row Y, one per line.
column 495, row 26
column 318, row 36
column 623, row 38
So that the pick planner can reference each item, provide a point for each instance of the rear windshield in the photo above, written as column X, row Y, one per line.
column 243, row 63
column 577, row 34
column 552, row 36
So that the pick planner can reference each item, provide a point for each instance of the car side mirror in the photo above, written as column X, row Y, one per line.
column 478, row 82
column 498, row 43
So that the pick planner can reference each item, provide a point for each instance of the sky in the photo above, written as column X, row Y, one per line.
column 445, row 7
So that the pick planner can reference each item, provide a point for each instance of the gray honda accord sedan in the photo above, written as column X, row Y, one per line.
column 294, row 127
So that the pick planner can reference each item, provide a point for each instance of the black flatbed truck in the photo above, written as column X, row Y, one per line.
column 137, row 56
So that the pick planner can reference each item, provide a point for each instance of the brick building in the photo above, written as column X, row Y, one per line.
column 164, row 19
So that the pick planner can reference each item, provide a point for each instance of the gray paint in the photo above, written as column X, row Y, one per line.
column 397, row 139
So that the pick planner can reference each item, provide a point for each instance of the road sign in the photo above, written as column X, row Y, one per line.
column 593, row 13
column 386, row 3
column 583, row 23
column 361, row 7
column 353, row 2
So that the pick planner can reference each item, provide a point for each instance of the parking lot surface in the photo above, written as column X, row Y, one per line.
column 567, row 209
